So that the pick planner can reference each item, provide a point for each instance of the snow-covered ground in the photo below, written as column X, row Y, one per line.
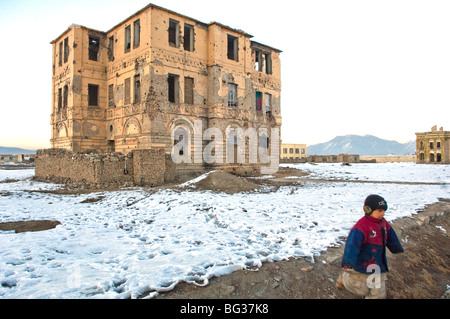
column 135, row 241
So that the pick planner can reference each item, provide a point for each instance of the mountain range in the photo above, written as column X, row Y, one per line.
column 15, row 150
column 366, row 145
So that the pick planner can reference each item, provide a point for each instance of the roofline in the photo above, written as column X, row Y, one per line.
column 267, row 46
column 152, row 6
column 72, row 26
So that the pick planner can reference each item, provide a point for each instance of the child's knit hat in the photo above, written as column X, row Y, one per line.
column 374, row 202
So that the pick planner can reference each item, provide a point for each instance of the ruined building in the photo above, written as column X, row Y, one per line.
column 433, row 147
column 157, row 77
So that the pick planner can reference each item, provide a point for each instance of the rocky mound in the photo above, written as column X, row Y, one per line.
column 220, row 181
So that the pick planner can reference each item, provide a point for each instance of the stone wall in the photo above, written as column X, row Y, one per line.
column 143, row 168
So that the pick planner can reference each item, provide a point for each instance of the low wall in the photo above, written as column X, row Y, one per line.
column 390, row 158
column 141, row 167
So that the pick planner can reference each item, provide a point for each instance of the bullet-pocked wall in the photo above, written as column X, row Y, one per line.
column 155, row 73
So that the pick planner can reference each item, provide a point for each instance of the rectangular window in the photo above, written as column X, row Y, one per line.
column 127, row 91
column 127, row 38
column 438, row 145
column 291, row 151
column 173, row 33
column 111, row 103
column 59, row 100
column 92, row 95
column 94, row 47
column 431, row 145
column 188, row 90
column 232, row 48
column 111, row 48
column 66, row 49
column 258, row 60
column 60, row 56
column 258, row 101
column 137, row 88
column 136, row 33
column 268, row 63
column 284, row 150
column 297, row 151
column 173, row 84
column 232, row 95
column 188, row 37
column 65, row 95
column 268, row 103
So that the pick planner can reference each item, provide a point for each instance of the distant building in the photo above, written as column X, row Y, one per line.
column 293, row 152
column 433, row 147
column 341, row 158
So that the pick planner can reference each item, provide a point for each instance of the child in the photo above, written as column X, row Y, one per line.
column 364, row 262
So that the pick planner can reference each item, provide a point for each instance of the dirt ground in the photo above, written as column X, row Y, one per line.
column 421, row 272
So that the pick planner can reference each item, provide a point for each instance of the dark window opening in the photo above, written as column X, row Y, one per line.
column 188, row 37
column 66, row 50
column 111, row 145
column 431, row 145
column 65, row 95
column 60, row 56
column 94, row 48
column 268, row 63
column 173, row 33
column 59, row 100
column 92, row 95
column 258, row 60
column 127, row 38
column 188, row 90
column 111, row 49
column 137, row 89
column 438, row 158
column 173, row 88
column 136, row 33
column 232, row 48
column 438, row 145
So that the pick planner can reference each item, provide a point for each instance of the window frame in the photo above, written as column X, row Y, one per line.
column 173, row 33
column 232, row 95
column 93, row 55
column 189, row 38
column 232, row 47
column 93, row 96
column 136, row 33
column 127, row 38
column 175, row 86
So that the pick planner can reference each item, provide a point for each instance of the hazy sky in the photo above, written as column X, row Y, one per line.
column 378, row 67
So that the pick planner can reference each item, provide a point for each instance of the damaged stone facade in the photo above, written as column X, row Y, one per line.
column 433, row 147
column 156, row 73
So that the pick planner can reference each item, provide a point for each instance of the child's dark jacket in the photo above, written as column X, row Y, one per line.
column 367, row 242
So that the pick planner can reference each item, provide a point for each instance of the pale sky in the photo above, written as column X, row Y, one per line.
column 378, row 67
